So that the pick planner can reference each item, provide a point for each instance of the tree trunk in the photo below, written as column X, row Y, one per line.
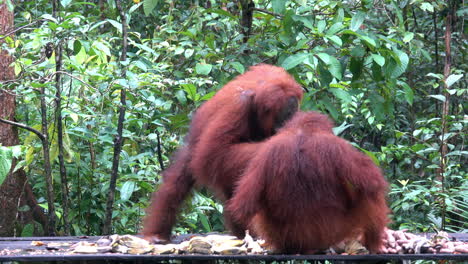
column 118, row 141
column 15, row 192
column 446, row 105
column 246, row 18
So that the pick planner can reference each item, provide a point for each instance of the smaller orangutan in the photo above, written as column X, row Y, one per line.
column 307, row 190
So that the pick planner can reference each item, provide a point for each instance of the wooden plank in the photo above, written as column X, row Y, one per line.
column 25, row 252
column 120, row 257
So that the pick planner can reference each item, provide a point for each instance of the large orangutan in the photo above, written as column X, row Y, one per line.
column 248, row 109
column 307, row 189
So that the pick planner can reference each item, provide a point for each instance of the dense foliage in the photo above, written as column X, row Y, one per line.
column 376, row 67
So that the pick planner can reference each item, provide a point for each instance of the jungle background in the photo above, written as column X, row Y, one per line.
column 96, row 95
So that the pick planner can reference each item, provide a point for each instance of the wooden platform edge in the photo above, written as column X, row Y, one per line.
column 130, row 257
column 28, row 253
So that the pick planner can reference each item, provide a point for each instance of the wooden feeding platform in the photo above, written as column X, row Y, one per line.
column 39, row 249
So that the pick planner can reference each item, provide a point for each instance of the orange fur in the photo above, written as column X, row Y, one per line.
column 307, row 189
column 218, row 146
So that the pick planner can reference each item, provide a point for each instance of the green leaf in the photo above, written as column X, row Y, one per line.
column 54, row 151
column 210, row 41
column 238, row 66
column 340, row 129
column 188, row 53
column 141, row 65
column 453, row 78
column 334, row 66
column 203, row 68
column 288, row 24
column 405, row 206
column 77, row 46
column 458, row 153
column 279, row 6
column 324, row 57
column 399, row 134
column 94, row 26
column 357, row 20
column 334, row 29
column 380, row 60
column 399, row 15
column 350, row 32
column 29, row 156
column 377, row 103
column 306, row 20
column 116, row 24
column 179, row 50
column 435, row 75
column 134, row 7
column 408, row 37
column 425, row 6
column 6, row 157
column 426, row 55
column 294, row 60
column 356, row 66
column 358, row 51
column 50, row 17
column 397, row 65
column 401, row 67
column 330, row 107
column 204, row 221
column 16, row 151
column 28, row 230
column 321, row 26
column 127, row 190
column 65, row 3
column 154, row 136
column 339, row 15
column 68, row 151
column 222, row 12
column 149, row 5
column 409, row 94
column 368, row 41
column 438, row 97
column 191, row 91
column 325, row 76
column 335, row 39
column 208, row 96
column 180, row 95
column 342, row 95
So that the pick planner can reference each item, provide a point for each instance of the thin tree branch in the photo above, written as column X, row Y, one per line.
column 160, row 159
column 119, row 138
column 47, row 167
column 20, row 28
column 267, row 12
column 9, row 92
column 247, row 7
column 20, row 125
column 436, row 39
column 415, row 28
column 73, row 77
column 261, row 10
column 62, row 168
column 445, row 106
column 92, row 152
column 387, row 13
